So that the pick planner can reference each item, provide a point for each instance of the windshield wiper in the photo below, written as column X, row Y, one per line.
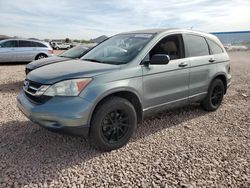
column 93, row 60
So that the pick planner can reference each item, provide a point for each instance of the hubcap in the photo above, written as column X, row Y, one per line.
column 217, row 95
column 40, row 56
column 115, row 125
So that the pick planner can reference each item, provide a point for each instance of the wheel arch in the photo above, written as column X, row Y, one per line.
column 41, row 53
column 127, row 94
column 223, row 78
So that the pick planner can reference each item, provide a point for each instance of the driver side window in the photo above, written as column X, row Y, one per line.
column 171, row 45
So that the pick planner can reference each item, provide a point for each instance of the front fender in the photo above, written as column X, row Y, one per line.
column 98, row 92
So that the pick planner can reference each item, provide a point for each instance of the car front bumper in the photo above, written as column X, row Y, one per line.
column 59, row 114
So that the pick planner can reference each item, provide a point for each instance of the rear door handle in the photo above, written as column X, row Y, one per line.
column 211, row 60
column 183, row 64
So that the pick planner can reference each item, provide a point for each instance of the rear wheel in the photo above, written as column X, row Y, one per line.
column 113, row 124
column 215, row 96
column 40, row 56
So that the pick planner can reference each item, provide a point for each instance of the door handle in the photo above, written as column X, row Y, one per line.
column 211, row 60
column 183, row 64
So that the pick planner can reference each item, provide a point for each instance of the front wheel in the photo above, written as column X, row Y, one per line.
column 214, row 96
column 113, row 124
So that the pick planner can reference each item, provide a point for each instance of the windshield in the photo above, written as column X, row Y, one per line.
column 119, row 49
column 75, row 52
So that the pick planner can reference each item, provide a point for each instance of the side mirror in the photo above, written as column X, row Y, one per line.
column 159, row 59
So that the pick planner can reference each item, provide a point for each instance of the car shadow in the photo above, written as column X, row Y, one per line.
column 168, row 119
column 26, row 146
column 15, row 63
column 11, row 87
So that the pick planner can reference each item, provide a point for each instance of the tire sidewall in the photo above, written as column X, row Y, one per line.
column 112, row 104
column 39, row 56
column 216, row 82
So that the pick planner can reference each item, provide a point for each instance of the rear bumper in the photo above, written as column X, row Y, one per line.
column 60, row 114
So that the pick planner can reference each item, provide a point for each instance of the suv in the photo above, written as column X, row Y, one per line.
column 127, row 77
column 23, row 50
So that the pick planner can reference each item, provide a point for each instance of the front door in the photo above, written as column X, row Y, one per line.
column 166, row 85
column 8, row 51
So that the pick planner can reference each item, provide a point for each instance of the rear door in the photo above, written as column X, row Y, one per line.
column 200, row 61
column 8, row 51
column 26, row 51
column 166, row 85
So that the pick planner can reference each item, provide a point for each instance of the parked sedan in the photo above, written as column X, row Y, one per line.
column 22, row 50
column 73, row 53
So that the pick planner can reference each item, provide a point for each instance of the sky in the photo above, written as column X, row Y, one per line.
column 86, row 19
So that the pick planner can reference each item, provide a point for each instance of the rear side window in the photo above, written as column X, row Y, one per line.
column 9, row 44
column 24, row 43
column 38, row 44
column 214, row 48
column 197, row 45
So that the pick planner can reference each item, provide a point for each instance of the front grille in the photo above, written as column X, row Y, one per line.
column 38, row 99
column 31, row 90
column 33, row 87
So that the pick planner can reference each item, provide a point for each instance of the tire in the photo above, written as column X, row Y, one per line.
column 40, row 56
column 215, row 96
column 113, row 123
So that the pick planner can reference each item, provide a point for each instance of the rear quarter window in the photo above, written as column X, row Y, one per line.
column 196, row 45
column 214, row 47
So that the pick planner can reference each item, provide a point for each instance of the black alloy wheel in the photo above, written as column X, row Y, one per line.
column 115, row 125
column 214, row 96
column 217, row 95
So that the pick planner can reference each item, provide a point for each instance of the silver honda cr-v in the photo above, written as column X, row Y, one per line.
column 127, row 77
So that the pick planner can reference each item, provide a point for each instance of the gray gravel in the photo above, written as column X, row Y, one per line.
column 187, row 147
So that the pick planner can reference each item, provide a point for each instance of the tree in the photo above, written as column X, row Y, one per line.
column 67, row 40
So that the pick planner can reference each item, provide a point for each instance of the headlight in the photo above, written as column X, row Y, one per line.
column 68, row 87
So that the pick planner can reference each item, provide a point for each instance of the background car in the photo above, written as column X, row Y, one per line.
column 73, row 53
column 60, row 45
column 23, row 50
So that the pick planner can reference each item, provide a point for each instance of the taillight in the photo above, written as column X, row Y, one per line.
column 50, row 51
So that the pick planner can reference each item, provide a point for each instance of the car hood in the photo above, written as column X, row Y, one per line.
column 52, row 73
column 46, row 61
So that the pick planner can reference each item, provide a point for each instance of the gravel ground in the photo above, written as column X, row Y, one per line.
column 186, row 147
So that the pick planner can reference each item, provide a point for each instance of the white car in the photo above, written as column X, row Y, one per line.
column 23, row 50
column 60, row 45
